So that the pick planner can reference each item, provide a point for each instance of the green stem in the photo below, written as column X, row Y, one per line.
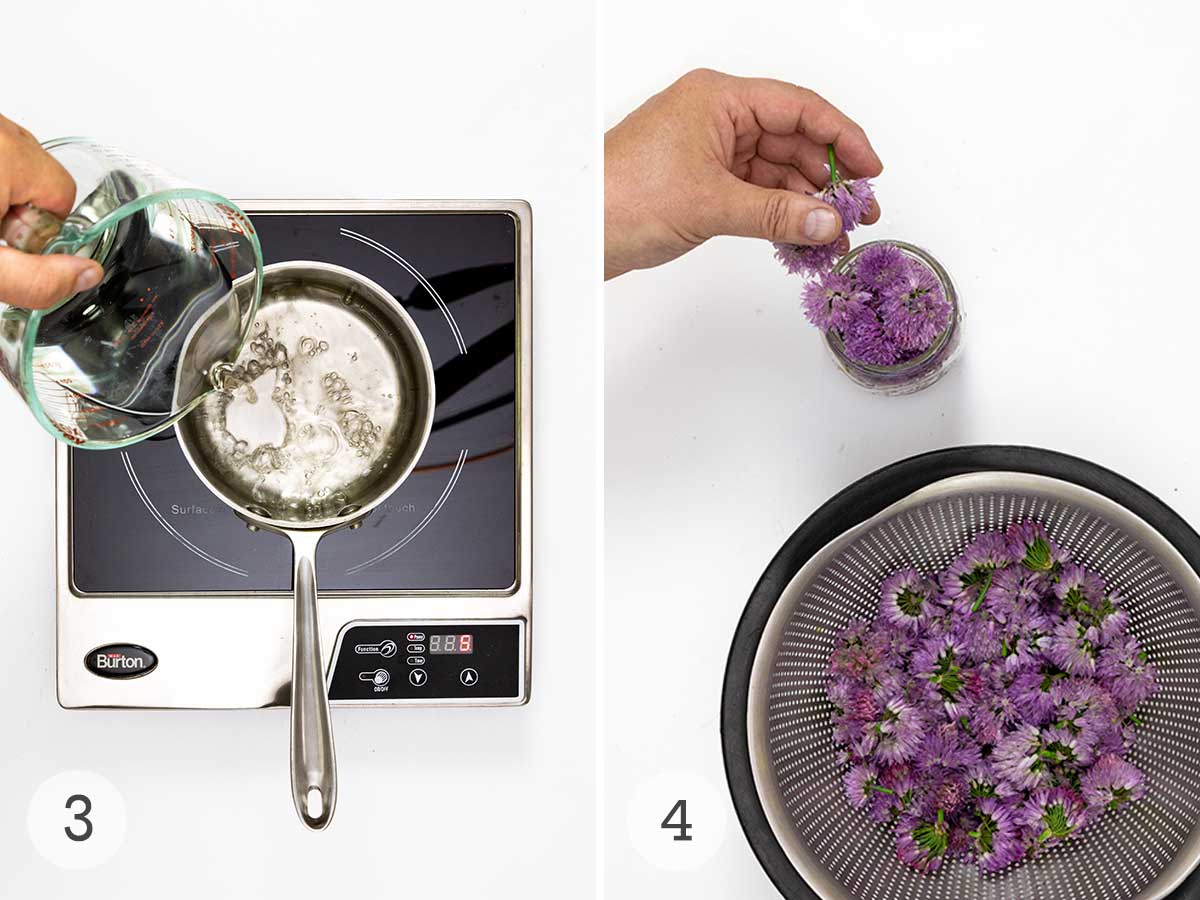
column 834, row 178
column 987, row 585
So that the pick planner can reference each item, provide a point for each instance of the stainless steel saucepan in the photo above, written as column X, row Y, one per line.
column 322, row 418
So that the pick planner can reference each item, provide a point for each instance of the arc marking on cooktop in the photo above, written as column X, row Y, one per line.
column 168, row 527
column 412, row 270
column 400, row 544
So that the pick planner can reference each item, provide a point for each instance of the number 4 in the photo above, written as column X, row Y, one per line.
column 682, row 825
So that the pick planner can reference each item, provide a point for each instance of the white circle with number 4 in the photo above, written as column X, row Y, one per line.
column 677, row 820
column 77, row 820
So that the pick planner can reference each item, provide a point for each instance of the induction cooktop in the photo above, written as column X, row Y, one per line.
column 165, row 599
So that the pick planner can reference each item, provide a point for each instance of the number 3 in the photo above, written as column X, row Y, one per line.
column 80, row 817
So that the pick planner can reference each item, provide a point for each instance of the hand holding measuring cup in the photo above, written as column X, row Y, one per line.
column 32, row 180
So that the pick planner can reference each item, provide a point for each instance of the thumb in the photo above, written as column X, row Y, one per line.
column 789, row 217
column 38, row 282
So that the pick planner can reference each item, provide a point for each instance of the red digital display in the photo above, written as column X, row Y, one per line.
column 448, row 644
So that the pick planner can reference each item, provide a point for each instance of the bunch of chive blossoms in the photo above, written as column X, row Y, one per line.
column 987, row 712
column 887, row 307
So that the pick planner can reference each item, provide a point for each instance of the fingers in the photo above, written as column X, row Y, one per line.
column 30, row 174
column 39, row 282
column 767, row 174
column 776, row 214
column 787, row 110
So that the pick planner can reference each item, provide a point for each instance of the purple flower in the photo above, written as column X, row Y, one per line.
column 853, row 656
column 880, row 265
column 922, row 841
column 980, row 635
column 1111, row 783
column 947, row 747
column 1033, row 693
column 982, row 782
column 1076, row 584
column 832, row 301
column 1062, row 747
column 1086, row 597
column 866, row 341
column 940, row 662
column 1032, row 547
column 900, row 731
column 863, row 706
column 969, row 577
column 995, row 839
column 900, row 794
column 992, row 716
column 1053, row 815
column 861, row 784
column 1018, row 760
column 915, row 309
column 852, row 200
column 1014, row 594
column 1072, row 647
column 1127, row 673
column 814, row 261
column 908, row 599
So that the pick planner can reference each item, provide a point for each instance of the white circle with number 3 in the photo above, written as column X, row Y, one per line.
column 677, row 820
column 77, row 820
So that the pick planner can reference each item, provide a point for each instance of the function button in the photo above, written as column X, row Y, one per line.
column 416, row 660
column 416, row 636
column 469, row 677
column 417, row 677
column 386, row 649
column 416, row 648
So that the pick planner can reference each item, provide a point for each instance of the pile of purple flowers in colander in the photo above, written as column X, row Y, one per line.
column 887, row 307
column 987, row 712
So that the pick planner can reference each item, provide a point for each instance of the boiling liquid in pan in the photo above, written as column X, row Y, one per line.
column 307, row 414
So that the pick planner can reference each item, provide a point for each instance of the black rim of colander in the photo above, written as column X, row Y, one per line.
column 854, row 505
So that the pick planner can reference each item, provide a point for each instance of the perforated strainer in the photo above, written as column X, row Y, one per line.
column 779, row 751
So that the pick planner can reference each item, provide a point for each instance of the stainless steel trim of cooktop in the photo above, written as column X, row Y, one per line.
column 228, row 651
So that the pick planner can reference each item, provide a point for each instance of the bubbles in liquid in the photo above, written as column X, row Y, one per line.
column 336, row 424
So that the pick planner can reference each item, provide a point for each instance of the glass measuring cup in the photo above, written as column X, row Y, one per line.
column 182, row 277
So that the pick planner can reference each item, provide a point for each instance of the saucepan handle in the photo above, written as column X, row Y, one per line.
column 314, row 770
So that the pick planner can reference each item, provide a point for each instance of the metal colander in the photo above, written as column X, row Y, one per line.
column 780, row 753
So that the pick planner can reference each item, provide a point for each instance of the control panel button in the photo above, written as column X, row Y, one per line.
column 416, row 648
column 417, row 677
column 416, row 637
column 416, row 660
column 386, row 649
column 378, row 677
column 469, row 677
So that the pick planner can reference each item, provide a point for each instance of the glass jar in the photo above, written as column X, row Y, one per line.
column 914, row 374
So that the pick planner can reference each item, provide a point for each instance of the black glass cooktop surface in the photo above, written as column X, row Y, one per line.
column 141, row 522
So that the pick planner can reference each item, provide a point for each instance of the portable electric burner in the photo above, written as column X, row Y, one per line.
column 166, row 599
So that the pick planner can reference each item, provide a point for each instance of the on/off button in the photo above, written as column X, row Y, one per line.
column 415, row 637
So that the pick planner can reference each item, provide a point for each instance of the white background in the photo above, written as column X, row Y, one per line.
column 1045, row 153
column 363, row 100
